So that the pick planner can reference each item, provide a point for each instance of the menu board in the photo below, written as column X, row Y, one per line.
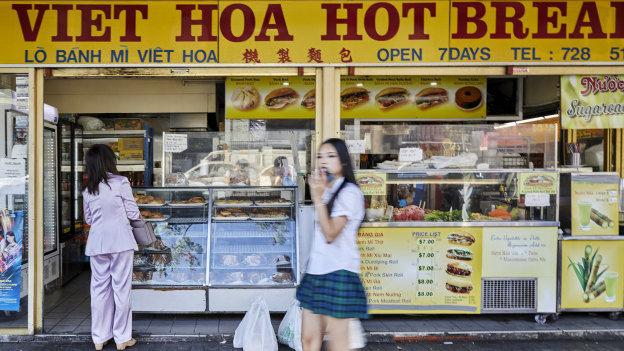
column 591, row 274
column 421, row 270
column 444, row 97
column 270, row 97
column 592, row 102
column 595, row 203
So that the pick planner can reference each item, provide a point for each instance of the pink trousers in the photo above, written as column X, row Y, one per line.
column 111, row 286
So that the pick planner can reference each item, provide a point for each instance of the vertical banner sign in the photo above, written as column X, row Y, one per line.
column 592, row 102
column 270, row 97
column 11, row 243
column 595, row 203
column 395, row 97
column 591, row 274
column 421, row 270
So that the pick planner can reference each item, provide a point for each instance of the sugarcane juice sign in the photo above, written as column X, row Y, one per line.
column 421, row 270
column 270, row 97
column 371, row 183
column 595, row 204
column 592, row 102
column 591, row 274
column 412, row 97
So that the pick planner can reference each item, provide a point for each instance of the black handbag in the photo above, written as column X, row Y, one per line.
column 143, row 231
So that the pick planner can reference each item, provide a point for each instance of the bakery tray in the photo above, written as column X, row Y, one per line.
column 230, row 219
column 283, row 204
column 156, row 219
column 198, row 204
column 149, row 252
column 246, row 204
column 152, row 205
column 252, row 268
column 269, row 218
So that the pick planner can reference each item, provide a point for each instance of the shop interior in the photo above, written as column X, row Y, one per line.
column 140, row 117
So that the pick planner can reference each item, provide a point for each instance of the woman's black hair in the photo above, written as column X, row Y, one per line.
column 100, row 160
column 11, row 234
column 345, row 160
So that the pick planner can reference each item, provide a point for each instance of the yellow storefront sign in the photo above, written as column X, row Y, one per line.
column 592, row 102
column 270, row 97
column 591, row 274
column 310, row 32
column 421, row 270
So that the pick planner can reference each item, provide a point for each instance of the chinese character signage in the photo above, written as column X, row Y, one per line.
column 270, row 97
column 592, row 102
column 412, row 97
column 310, row 32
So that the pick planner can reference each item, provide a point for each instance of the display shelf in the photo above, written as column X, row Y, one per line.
column 243, row 249
column 113, row 133
column 180, row 220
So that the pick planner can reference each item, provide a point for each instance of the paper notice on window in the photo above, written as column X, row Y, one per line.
column 356, row 146
column 537, row 200
column 175, row 142
column 12, row 176
column 410, row 154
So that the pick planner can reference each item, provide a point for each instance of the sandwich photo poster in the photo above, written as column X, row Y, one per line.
column 421, row 270
column 11, row 241
column 425, row 97
column 270, row 97
column 591, row 274
column 594, row 205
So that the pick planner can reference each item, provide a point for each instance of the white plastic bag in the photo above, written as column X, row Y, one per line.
column 289, row 331
column 255, row 332
column 357, row 337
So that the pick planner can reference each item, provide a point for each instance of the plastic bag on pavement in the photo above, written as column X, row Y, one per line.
column 357, row 337
column 289, row 331
column 255, row 332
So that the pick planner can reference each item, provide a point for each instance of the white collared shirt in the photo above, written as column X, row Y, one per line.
column 343, row 252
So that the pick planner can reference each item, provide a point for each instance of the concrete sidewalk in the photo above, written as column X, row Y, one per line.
column 67, row 316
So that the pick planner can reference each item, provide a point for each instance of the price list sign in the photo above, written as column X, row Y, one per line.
column 421, row 270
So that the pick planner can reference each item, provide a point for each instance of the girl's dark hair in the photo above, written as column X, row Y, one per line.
column 100, row 160
column 345, row 160
column 10, row 234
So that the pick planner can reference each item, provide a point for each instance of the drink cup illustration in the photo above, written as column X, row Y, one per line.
column 584, row 211
column 610, row 279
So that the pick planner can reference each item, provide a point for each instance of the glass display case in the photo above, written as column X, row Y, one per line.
column 253, row 237
column 50, row 224
column 180, row 220
column 410, row 147
column 222, row 159
column 488, row 197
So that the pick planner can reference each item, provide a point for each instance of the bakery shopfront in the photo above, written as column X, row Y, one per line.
column 216, row 108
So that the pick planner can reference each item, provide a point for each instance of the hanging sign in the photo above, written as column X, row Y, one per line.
column 592, row 102
column 396, row 97
column 270, row 97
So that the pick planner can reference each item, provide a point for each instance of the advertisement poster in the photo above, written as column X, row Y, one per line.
column 11, row 241
column 12, row 176
column 592, row 102
column 421, row 270
column 270, row 97
column 371, row 183
column 591, row 274
column 425, row 97
column 538, row 183
column 594, row 204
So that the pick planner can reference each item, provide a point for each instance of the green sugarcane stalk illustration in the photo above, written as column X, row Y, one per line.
column 599, row 220
column 594, row 273
column 610, row 222
column 595, row 292
column 588, row 252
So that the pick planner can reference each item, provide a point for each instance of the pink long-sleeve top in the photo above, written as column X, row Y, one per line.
column 107, row 213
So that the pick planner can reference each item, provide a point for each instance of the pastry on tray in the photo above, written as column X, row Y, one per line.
column 281, row 277
column 253, row 260
column 229, row 260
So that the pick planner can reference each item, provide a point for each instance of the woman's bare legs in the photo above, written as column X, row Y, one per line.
column 312, row 327
column 338, row 330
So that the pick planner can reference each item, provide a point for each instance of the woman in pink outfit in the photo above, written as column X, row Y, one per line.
column 108, row 204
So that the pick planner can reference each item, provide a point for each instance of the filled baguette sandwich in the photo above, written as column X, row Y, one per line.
column 430, row 97
column 352, row 97
column 309, row 99
column 391, row 97
column 280, row 98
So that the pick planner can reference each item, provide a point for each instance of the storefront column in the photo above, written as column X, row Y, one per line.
column 36, row 171
column 330, row 104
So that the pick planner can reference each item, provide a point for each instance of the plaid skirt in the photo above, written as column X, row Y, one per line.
column 339, row 294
